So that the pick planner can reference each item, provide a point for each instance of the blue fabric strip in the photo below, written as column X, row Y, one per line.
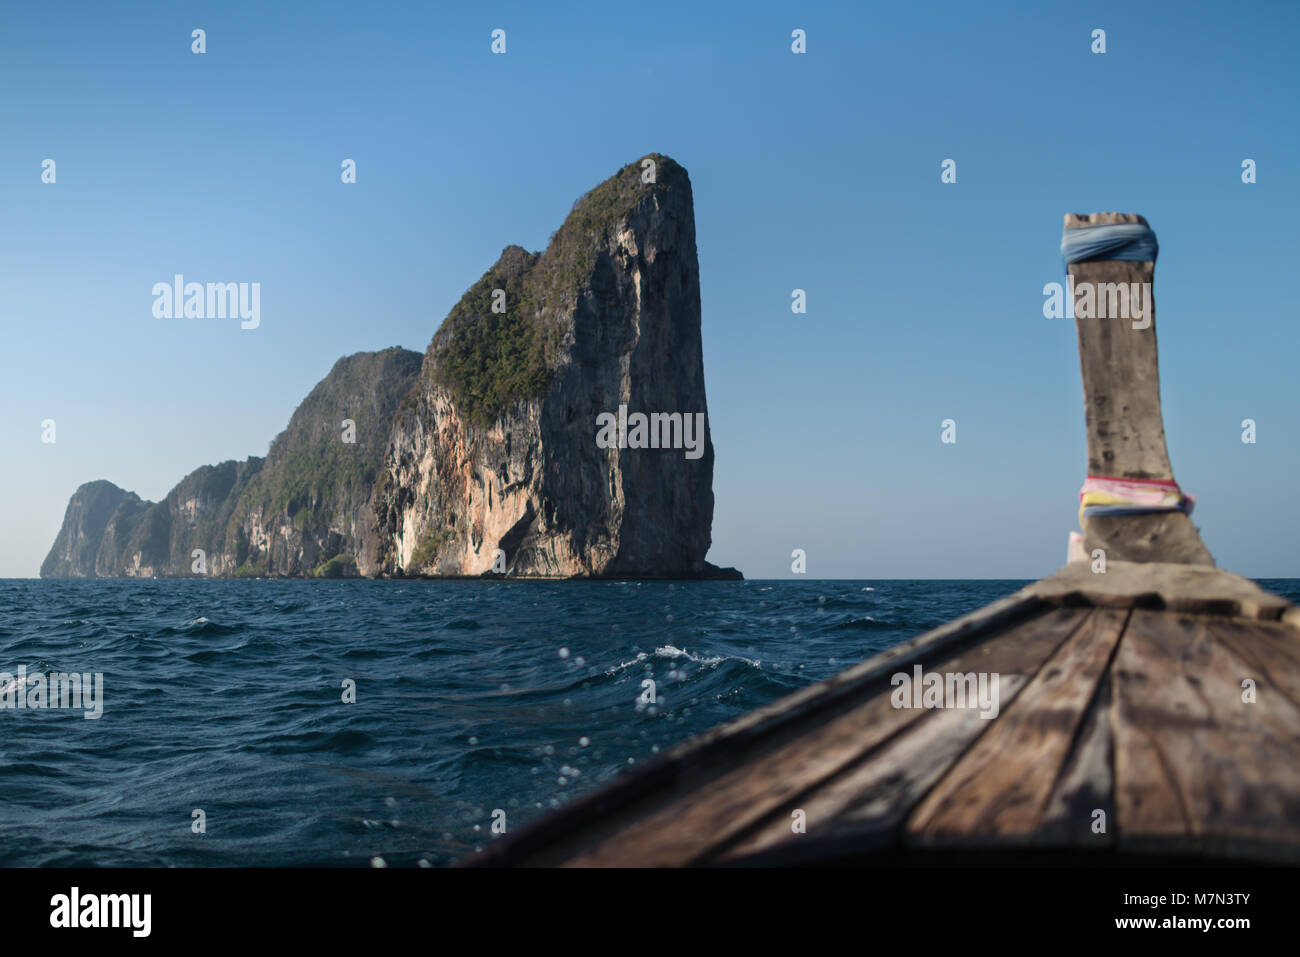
column 1089, row 510
column 1129, row 241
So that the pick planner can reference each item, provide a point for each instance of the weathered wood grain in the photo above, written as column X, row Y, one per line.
column 860, row 810
column 979, row 623
column 693, row 827
column 1193, row 772
column 1158, row 537
column 1270, row 652
column 588, row 820
column 1121, row 399
column 1161, row 585
column 1086, row 784
column 1002, row 786
column 1121, row 375
column 1196, row 768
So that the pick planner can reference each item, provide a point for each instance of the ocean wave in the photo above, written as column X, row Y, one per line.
column 865, row 623
column 234, row 691
column 204, row 626
column 672, row 652
column 463, row 624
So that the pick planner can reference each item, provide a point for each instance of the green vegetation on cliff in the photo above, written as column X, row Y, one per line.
column 489, row 360
column 428, row 549
column 319, row 471
column 340, row 566
column 372, row 459
column 296, row 512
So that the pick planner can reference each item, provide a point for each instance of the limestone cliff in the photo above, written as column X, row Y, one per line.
column 493, row 457
column 556, row 426
column 89, row 513
column 296, row 512
column 307, row 511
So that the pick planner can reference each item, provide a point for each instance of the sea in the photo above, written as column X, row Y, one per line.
column 388, row 723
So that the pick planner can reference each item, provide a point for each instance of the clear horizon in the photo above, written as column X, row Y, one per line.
column 819, row 171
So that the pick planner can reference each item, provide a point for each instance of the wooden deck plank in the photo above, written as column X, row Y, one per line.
column 589, row 819
column 975, row 625
column 1271, row 652
column 858, row 767
column 696, row 825
column 1161, row 585
column 1086, row 784
column 860, row 811
column 1196, row 769
column 1001, row 788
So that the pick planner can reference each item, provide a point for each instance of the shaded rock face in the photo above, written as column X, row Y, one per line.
column 91, row 510
column 307, row 511
column 482, row 455
column 613, row 305
column 297, row 512
column 161, row 539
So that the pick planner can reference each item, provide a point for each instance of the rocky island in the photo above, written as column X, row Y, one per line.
column 479, row 458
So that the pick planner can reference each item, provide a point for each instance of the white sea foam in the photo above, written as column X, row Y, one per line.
column 671, row 652
column 640, row 657
column 13, row 684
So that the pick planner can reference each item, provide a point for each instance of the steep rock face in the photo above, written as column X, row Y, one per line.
column 307, row 510
column 299, row 511
column 161, row 540
column 511, row 446
column 496, row 446
column 89, row 513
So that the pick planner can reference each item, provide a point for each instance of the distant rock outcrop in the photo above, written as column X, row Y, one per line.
column 556, row 427
column 298, row 512
column 307, row 510
column 90, row 511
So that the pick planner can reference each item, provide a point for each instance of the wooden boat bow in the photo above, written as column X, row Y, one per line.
column 1151, row 709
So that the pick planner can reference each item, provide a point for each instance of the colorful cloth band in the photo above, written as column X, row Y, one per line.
column 1105, row 495
column 1128, row 241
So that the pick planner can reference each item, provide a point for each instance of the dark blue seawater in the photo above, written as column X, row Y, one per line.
column 471, row 696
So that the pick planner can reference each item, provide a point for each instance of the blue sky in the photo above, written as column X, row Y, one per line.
column 819, row 171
